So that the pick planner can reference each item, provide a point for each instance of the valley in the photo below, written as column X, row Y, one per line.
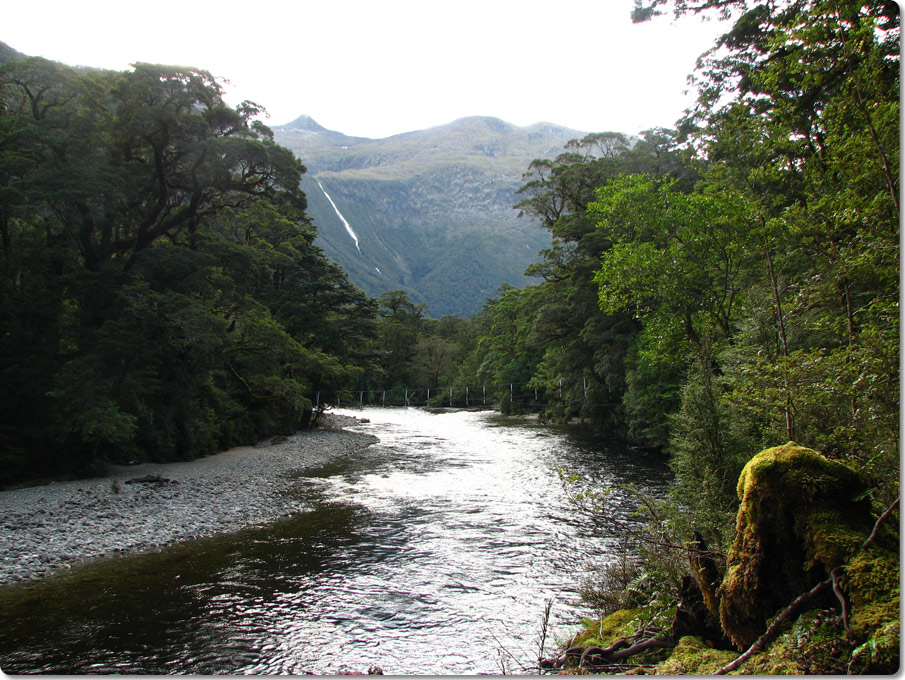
column 431, row 212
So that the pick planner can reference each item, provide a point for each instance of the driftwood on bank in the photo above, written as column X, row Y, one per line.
column 151, row 479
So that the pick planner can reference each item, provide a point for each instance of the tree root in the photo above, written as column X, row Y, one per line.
column 599, row 658
column 643, row 646
column 774, row 627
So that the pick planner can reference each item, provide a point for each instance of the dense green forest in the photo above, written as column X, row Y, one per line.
column 160, row 293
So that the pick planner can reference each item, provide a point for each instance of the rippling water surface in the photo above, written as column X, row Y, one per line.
column 433, row 552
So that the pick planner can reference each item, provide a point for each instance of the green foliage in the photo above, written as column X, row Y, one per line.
column 160, row 295
column 707, row 456
column 654, row 370
column 778, row 269
column 552, row 339
column 672, row 253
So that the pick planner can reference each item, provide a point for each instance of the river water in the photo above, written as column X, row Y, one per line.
column 433, row 552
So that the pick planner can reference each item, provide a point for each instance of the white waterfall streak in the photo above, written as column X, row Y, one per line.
column 340, row 215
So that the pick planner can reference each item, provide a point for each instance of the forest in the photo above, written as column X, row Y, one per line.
column 712, row 290
column 161, row 297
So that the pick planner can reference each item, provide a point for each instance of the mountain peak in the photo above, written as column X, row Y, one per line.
column 490, row 122
column 305, row 122
column 428, row 211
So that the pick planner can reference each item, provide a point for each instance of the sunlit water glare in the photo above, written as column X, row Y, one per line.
column 433, row 552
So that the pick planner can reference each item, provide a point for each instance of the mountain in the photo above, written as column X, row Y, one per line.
column 430, row 211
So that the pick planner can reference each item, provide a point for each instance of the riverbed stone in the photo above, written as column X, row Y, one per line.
column 47, row 527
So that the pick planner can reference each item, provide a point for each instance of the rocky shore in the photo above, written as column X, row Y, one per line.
column 47, row 528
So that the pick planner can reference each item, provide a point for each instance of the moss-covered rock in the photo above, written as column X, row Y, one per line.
column 801, row 515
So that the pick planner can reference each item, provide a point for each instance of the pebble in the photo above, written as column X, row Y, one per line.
column 51, row 527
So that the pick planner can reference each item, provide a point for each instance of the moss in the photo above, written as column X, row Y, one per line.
column 880, row 654
column 622, row 624
column 603, row 633
column 693, row 657
column 872, row 583
column 872, row 576
column 800, row 517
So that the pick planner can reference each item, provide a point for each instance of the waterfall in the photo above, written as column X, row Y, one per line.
column 340, row 215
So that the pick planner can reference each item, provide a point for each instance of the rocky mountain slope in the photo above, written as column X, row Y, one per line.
column 431, row 211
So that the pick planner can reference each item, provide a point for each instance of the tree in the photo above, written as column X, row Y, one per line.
column 674, row 254
column 800, row 111
column 160, row 293
column 399, row 327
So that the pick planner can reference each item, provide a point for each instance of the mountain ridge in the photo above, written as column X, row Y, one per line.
column 432, row 211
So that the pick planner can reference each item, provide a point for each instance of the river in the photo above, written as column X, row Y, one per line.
column 433, row 552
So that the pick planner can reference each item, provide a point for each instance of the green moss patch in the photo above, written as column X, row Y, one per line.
column 693, row 657
column 872, row 582
column 603, row 633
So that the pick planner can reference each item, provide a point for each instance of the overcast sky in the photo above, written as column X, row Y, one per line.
column 380, row 67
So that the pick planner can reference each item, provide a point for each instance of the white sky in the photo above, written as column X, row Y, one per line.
column 375, row 68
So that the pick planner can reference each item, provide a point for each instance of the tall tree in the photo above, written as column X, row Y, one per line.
column 153, row 239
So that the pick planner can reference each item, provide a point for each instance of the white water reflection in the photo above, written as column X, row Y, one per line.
column 469, row 534
column 429, row 553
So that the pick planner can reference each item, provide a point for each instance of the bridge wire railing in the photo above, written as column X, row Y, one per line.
column 493, row 395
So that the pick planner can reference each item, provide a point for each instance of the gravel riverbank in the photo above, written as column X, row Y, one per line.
column 47, row 528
